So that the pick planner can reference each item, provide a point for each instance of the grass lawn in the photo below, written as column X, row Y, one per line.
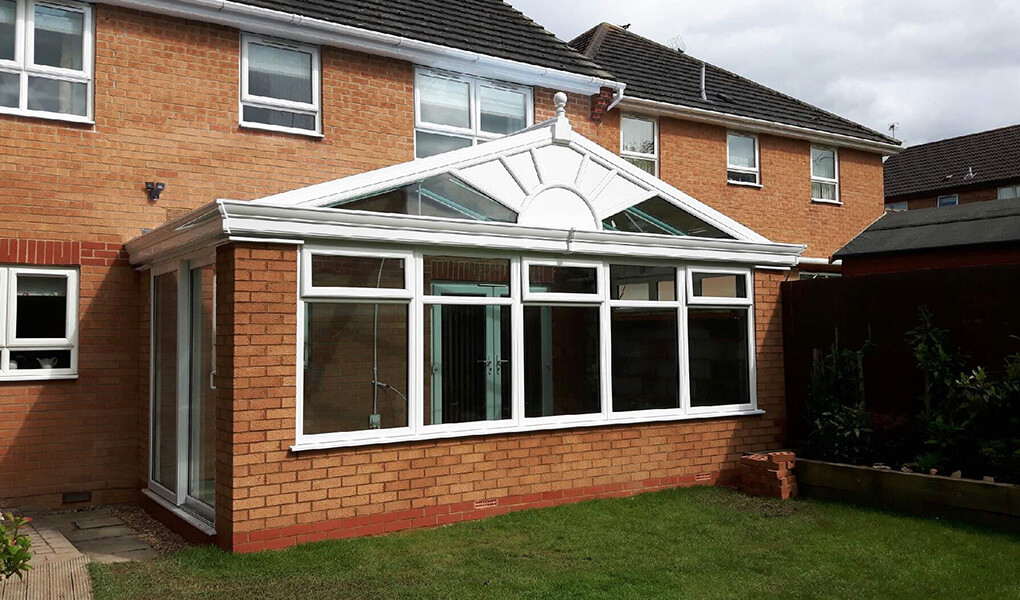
column 691, row 543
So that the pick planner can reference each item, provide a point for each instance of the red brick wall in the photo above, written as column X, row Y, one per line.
column 965, row 197
column 270, row 497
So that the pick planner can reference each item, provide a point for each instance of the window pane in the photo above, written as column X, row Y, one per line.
column 444, row 101
column 53, row 95
column 357, row 271
column 823, row 191
column 164, row 384
column 355, row 368
column 503, row 111
column 25, row 360
column 459, row 276
column 1008, row 192
column 430, row 144
column 642, row 283
column 645, row 368
column 719, row 356
column 659, row 216
column 561, row 360
column 280, row 118
column 8, row 16
column 741, row 151
column 9, row 89
column 202, row 408
column 440, row 196
column 41, row 307
column 823, row 163
column 741, row 177
column 467, row 363
column 59, row 36
column 281, row 73
column 719, row 285
column 638, row 135
column 646, row 165
column 948, row 201
column 562, row 280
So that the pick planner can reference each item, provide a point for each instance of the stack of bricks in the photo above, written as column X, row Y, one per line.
column 769, row 474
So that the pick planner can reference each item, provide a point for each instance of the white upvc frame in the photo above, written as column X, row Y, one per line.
column 24, row 65
column 1014, row 190
column 247, row 99
column 419, row 300
column 719, row 300
column 473, row 132
column 654, row 156
column 311, row 291
column 8, row 319
column 825, row 180
column 897, row 206
column 955, row 200
column 756, row 171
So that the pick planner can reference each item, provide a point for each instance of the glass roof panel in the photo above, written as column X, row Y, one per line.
column 438, row 196
column 656, row 215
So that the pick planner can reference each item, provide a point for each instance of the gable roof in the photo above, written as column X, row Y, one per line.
column 993, row 156
column 659, row 73
column 978, row 223
column 490, row 27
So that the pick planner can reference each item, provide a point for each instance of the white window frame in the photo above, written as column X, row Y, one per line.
column 1000, row 194
column 955, row 202
column 8, row 318
column 311, row 291
column 474, row 132
column 248, row 99
column 756, row 171
column 24, row 60
column 418, row 300
column 897, row 206
column 818, row 179
column 654, row 156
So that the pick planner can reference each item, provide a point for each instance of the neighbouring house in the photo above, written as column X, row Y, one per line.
column 960, row 170
column 978, row 234
column 284, row 271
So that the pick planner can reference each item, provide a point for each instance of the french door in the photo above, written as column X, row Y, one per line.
column 183, row 415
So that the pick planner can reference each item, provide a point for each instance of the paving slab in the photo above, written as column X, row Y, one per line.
column 97, row 533
column 114, row 545
column 95, row 522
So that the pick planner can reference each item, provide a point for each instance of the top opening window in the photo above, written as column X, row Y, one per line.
column 639, row 142
column 742, row 158
column 439, row 196
column 952, row 200
column 46, row 59
column 279, row 85
column 719, row 285
column 824, row 174
column 657, row 215
column 454, row 111
column 559, row 281
column 642, row 283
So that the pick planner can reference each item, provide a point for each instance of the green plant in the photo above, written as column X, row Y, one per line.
column 839, row 424
column 14, row 547
column 939, row 362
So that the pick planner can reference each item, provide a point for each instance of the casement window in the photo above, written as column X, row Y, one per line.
column 46, row 59
column 280, row 85
column 1009, row 191
column 404, row 345
column 742, row 159
column 951, row 200
column 639, row 142
column 453, row 111
column 824, row 174
column 38, row 323
column 897, row 206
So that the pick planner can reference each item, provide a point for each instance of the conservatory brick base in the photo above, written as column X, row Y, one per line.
column 271, row 497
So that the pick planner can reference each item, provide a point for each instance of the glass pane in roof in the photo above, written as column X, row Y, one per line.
column 439, row 196
column 656, row 215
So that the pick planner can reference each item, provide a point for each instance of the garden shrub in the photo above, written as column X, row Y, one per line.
column 14, row 546
column 839, row 424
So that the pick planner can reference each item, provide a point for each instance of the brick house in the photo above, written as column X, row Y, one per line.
column 390, row 324
column 969, row 168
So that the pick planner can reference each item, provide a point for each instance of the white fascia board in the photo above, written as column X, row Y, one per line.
column 666, row 109
column 316, row 31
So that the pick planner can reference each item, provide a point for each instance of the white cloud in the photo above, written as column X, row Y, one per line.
column 937, row 67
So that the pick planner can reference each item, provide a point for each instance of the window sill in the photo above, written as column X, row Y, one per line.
column 277, row 129
column 543, row 426
column 745, row 184
column 820, row 201
column 48, row 116
column 28, row 376
column 186, row 515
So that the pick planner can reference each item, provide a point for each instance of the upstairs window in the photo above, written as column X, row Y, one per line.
column 279, row 85
column 824, row 175
column 1010, row 191
column 951, row 200
column 639, row 143
column 742, row 159
column 38, row 323
column 897, row 206
column 46, row 59
column 454, row 111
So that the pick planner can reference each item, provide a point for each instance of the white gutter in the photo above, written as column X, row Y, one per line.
column 702, row 115
column 810, row 260
column 317, row 31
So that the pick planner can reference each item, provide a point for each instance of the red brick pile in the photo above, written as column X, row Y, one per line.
column 768, row 474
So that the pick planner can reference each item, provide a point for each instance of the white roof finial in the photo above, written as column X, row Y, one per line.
column 560, row 101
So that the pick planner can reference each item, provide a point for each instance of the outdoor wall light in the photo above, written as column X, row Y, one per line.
column 155, row 188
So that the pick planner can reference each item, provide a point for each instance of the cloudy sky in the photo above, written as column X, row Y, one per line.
column 938, row 68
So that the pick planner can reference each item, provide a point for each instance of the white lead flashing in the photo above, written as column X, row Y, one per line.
column 316, row 31
column 666, row 109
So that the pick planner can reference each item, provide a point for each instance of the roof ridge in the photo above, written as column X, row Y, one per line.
column 965, row 135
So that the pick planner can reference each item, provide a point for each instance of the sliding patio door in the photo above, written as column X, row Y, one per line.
column 183, row 439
